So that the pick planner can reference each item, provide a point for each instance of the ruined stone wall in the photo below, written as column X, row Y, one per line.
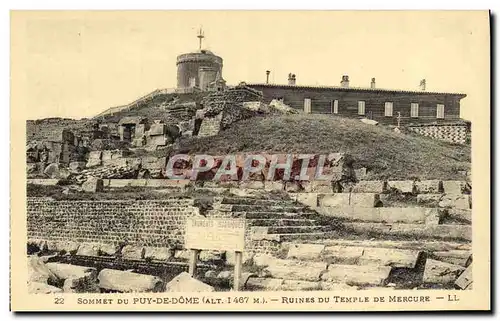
column 156, row 223
column 453, row 133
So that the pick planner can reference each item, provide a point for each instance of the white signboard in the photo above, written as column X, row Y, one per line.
column 215, row 234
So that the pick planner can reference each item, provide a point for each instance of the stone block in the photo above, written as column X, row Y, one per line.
column 130, row 252
column 464, row 215
column 357, row 275
column 52, row 170
column 211, row 255
column 429, row 199
column 274, row 186
column 77, row 166
column 324, row 187
column 38, row 271
column 264, row 284
column 108, row 249
column 351, row 199
column 370, row 187
column 157, row 253
column 336, row 286
column 67, row 246
column 88, row 249
column 185, row 283
column 389, row 257
column 309, row 199
column 298, row 285
column 457, row 201
column 231, row 258
column 440, row 272
column 184, row 255
column 293, row 187
column 94, row 159
column 154, row 162
column 296, row 270
column 402, row 186
column 458, row 257
column 360, row 173
column 93, row 185
column 68, row 271
column 454, row 187
column 464, row 281
column 338, row 254
column 129, row 282
column 429, row 187
column 252, row 185
column 383, row 214
column 305, row 251
column 157, row 129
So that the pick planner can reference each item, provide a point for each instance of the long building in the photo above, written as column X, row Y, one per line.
column 387, row 106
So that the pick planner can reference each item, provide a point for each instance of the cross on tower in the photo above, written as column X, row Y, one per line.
column 200, row 36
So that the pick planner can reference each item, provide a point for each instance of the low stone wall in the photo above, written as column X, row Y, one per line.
column 454, row 133
column 155, row 223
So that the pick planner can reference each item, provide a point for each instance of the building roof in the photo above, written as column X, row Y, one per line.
column 361, row 89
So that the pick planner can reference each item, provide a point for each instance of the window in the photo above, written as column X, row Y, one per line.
column 414, row 110
column 307, row 105
column 335, row 106
column 440, row 111
column 388, row 109
column 361, row 107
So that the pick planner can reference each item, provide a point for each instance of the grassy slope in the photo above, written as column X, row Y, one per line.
column 385, row 153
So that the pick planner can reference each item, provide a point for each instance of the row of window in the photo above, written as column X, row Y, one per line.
column 388, row 109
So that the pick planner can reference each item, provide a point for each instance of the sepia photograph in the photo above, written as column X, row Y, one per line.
column 287, row 160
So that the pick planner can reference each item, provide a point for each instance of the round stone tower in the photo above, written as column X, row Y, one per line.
column 189, row 64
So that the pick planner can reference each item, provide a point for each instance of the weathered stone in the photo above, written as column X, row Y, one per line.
column 274, row 186
column 455, row 201
column 369, row 121
column 464, row 281
column 429, row 187
column 309, row 199
column 296, row 270
column 305, row 251
column 38, row 271
column 402, row 186
column 441, row 272
column 352, row 199
column 263, row 259
column 157, row 253
column 231, row 257
column 130, row 252
column 68, row 271
column 357, row 275
column 338, row 254
column 185, row 283
column 370, row 187
column 210, row 274
column 124, row 281
column 184, row 255
column 389, row 257
column 293, row 187
column 383, row 214
column 297, row 285
column 210, row 255
column 457, row 257
column 52, row 170
column 68, row 246
column 454, row 187
column 324, row 187
column 251, row 185
column 360, row 173
column 81, row 285
column 77, row 166
column 264, row 284
column 464, row 215
column 88, row 249
column 94, row 159
column 42, row 288
column 157, row 129
column 92, row 185
column 429, row 199
column 336, row 286
column 108, row 249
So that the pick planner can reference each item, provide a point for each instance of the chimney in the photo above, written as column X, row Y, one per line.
column 345, row 81
column 422, row 85
column 372, row 84
column 291, row 79
column 267, row 76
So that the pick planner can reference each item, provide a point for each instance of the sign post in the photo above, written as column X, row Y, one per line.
column 216, row 234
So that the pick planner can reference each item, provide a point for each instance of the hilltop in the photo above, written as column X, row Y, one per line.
column 384, row 153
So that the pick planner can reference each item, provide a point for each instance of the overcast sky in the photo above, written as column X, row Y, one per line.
column 77, row 64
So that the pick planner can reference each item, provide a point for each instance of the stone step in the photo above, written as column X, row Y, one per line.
column 371, row 256
column 275, row 215
column 283, row 237
column 281, row 222
column 383, row 214
column 357, row 274
column 295, row 229
column 254, row 201
column 441, row 231
column 267, row 208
